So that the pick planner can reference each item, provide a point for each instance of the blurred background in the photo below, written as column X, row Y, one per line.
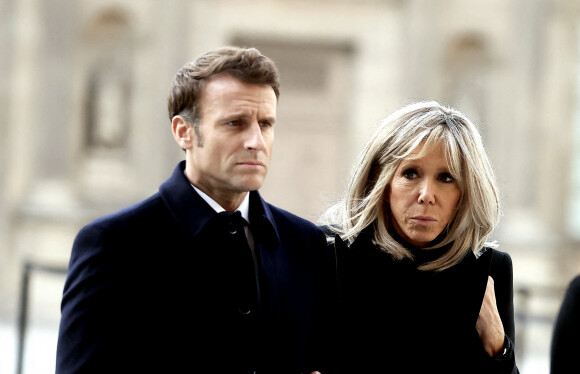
column 84, row 129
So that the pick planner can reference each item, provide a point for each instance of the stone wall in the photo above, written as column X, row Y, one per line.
column 84, row 130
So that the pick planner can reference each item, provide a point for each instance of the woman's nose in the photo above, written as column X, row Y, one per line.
column 426, row 193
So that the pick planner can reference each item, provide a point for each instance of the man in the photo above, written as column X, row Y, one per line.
column 565, row 334
column 171, row 285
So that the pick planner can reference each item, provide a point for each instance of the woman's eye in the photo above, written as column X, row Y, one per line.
column 447, row 178
column 410, row 173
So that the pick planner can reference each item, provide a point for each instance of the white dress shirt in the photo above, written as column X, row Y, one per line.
column 244, row 209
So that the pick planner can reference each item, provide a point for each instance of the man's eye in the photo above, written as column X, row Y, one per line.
column 234, row 123
column 265, row 124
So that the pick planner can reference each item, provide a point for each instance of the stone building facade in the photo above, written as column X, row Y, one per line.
column 84, row 129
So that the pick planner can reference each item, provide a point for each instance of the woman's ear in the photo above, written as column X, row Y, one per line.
column 182, row 132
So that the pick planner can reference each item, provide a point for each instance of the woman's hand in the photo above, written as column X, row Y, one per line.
column 489, row 325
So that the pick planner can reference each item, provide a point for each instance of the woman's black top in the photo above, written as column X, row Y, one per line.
column 395, row 318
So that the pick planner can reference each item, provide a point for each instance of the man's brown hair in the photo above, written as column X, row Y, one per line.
column 245, row 64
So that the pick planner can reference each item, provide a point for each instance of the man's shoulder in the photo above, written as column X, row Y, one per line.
column 280, row 213
column 285, row 219
column 136, row 212
column 574, row 286
column 134, row 226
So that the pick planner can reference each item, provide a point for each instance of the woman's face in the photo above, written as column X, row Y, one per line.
column 423, row 197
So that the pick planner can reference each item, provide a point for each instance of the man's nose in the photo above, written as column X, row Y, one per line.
column 254, row 138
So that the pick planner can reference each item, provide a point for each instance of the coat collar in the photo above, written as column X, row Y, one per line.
column 481, row 259
column 193, row 213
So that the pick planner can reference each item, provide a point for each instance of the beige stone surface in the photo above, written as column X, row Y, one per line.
column 84, row 130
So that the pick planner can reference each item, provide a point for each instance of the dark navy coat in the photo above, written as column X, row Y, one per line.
column 155, row 288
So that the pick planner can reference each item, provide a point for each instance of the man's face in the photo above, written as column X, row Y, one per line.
column 231, row 152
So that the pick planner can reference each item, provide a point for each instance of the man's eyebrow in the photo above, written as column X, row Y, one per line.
column 269, row 119
column 232, row 116
column 244, row 116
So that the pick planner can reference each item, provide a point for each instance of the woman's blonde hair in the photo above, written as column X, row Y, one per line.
column 428, row 123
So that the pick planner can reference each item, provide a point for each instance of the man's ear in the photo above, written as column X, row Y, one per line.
column 182, row 132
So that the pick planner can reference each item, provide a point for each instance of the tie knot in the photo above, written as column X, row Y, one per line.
column 233, row 221
column 235, row 215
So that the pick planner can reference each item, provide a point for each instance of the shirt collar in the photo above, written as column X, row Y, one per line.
column 244, row 207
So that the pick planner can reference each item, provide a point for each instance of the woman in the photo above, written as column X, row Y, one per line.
column 422, row 289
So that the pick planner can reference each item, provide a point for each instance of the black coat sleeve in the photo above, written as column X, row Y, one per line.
column 565, row 343
column 501, row 271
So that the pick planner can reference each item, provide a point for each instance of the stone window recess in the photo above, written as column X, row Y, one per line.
column 108, row 84
column 107, row 120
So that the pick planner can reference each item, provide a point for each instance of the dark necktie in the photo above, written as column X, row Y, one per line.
column 246, row 263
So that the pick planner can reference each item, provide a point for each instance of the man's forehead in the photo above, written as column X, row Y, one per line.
column 238, row 96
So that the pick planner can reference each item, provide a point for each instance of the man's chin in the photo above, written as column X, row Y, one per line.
column 251, row 185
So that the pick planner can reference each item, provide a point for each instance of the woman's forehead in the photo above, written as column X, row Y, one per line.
column 426, row 147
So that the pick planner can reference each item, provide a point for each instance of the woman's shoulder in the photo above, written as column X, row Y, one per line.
column 329, row 230
column 501, row 257
column 496, row 255
column 501, row 267
column 497, row 263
